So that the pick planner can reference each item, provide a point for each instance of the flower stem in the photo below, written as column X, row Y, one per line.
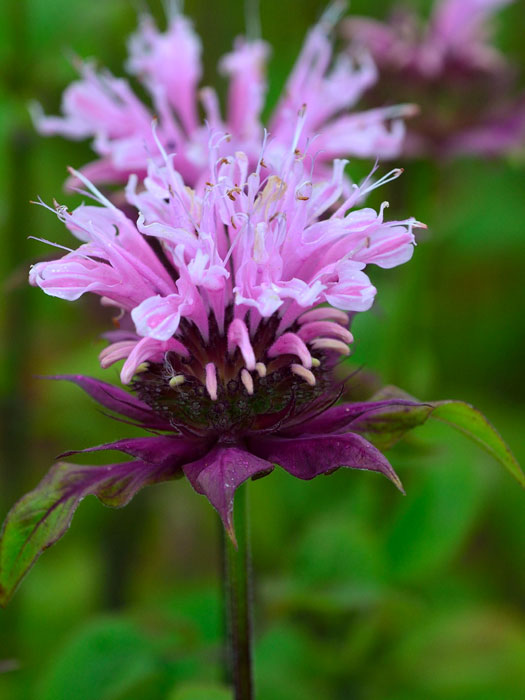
column 238, row 588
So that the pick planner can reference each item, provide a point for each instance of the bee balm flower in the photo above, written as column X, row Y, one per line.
column 105, row 108
column 465, row 87
column 234, row 306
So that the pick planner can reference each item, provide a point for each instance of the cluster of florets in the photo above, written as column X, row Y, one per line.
column 105, row 108
column 466, row 89
column 235, row 267
column 233, row 305
column 234, row 271
column 219, row 287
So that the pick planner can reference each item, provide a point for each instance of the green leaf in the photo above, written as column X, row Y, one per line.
column 458, row 414
column 43, row 515
column 472, row 423
column 108, row 659
column 386, row 426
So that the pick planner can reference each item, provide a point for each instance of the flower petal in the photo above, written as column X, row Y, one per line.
column 308, row 457
column 117, row 400
column 220, row 473
column 388, row 417
column 162, row 450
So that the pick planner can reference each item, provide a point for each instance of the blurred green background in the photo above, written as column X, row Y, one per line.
column 360, row 593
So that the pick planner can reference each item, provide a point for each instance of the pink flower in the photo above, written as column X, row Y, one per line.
column 256, row 247
column 234, row 304
column 234, row 297
column 465, row 87
column 104, row 108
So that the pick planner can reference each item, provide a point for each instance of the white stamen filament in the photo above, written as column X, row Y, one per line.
column 301, row 118
column 91, row 187
column 154, row 125
column 391, row 175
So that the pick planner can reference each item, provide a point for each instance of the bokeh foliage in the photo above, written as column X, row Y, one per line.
column 361, row 593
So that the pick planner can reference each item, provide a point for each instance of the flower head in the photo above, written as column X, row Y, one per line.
column 464, row 86
column 105, row 108
column 234, row 284
column 234, row 308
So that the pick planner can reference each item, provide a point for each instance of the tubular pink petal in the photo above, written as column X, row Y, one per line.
column 238, row 337
column 170, row 61
column 158, row 317
column 291, row 344
column 324, row 313
column 316, row 329
column 245, row 68
column 115, row 352
column 149, row 349
column 145, row 349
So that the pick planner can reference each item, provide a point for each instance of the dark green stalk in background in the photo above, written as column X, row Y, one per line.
column 15, row 292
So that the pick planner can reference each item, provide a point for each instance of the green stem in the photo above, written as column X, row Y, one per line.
column 238, row 589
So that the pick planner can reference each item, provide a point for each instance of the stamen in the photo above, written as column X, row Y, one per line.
column 173, row 8
column 106, row 301
column 211, row 380
column 304, row 373
column 260, row 368
column 252, row 19
column 261, row 163
column 316, row 362
column 239, row 337
column 246, row 379
column 332, row 14
column 154, row 125
column 301, row 195
column 301, row 118
column 325, row 313
column 176, row 381
column 330, row 344
column 91, row 187
column 143, row 367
